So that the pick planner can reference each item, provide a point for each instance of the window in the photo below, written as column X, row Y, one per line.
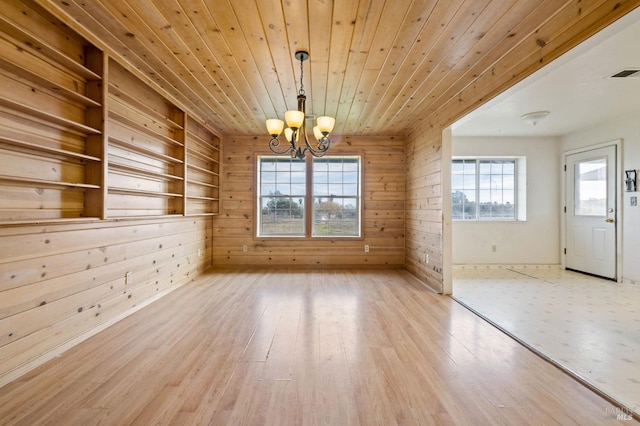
column 487, row 189
column 330, row 185
column 336, row 196
column 590, row 187
column 282, row 196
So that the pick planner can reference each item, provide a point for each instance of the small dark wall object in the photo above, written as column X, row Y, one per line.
column 630, row 181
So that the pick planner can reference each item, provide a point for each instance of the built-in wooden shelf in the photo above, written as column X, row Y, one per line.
column 39, row 147
column 39, row 47
column 47, row 84
column 129, row 191
column 200, row 183
column 35, row 112
column 144, row 129
column 203, row 170
column 47, row 183
column 142, row 150
column 62, row 220
column 52, row 135
column 143, row 107
column 202, row 156
column 99, row 141
column 202, row 141
column 137, row 172
column 141, row 217
column 146, row 146
column 194, row 197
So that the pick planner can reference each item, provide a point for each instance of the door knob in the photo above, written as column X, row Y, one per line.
column 610, row 220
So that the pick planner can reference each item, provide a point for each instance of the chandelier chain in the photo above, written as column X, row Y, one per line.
column 301, row 91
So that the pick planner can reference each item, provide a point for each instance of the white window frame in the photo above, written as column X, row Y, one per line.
column 308, row 204
column 267, row 198
column 519, row 195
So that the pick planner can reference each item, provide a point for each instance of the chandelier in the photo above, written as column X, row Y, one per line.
column 296, row 132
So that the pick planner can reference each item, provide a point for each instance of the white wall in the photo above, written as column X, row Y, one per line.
column 534, row 241
column 626, row 128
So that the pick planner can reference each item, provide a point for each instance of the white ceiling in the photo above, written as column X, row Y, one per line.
column 574, row 88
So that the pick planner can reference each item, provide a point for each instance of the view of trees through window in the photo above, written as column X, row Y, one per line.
column 282, row 194
column 483, row 189
column 336, row 196
column 334, row 192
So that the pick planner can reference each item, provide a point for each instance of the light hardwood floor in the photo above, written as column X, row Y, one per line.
column 301, row 347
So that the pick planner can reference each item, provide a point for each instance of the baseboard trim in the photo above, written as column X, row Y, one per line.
column 485, row 266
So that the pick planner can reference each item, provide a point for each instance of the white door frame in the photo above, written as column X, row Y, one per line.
column 447, row 232
column 617, row 143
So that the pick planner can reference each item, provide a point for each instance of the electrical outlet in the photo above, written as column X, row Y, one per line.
column 127, row 277
column 366, row 248
column 245, row 248
column 633, row 201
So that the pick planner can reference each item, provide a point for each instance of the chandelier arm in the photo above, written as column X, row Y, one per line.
column 323, row 146
column 274, row 144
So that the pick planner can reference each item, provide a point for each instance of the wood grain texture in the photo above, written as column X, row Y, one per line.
column 301, row 347
column 60, row 282
column 383, row 211
column 80, row 126
column 381, row 67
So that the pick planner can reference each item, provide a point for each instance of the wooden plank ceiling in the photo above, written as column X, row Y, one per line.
column 379, row 66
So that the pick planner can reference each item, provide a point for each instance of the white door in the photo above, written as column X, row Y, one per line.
column 591, row 211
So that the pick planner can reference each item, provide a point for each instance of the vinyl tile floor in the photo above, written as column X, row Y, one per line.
column 586, row 325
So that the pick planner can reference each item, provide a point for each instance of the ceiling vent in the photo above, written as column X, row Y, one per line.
column 628, row 73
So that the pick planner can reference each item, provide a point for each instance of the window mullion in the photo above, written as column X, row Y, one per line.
column 477, row 189
column 308, row 211
column 515, row 190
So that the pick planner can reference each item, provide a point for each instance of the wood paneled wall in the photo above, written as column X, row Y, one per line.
column 383, row 190
column 61, row 283
column 424, row 208
column 83, row 140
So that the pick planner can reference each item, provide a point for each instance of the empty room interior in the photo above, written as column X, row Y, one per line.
column 319, row 212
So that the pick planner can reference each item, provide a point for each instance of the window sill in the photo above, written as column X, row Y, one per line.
column 489, row 221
